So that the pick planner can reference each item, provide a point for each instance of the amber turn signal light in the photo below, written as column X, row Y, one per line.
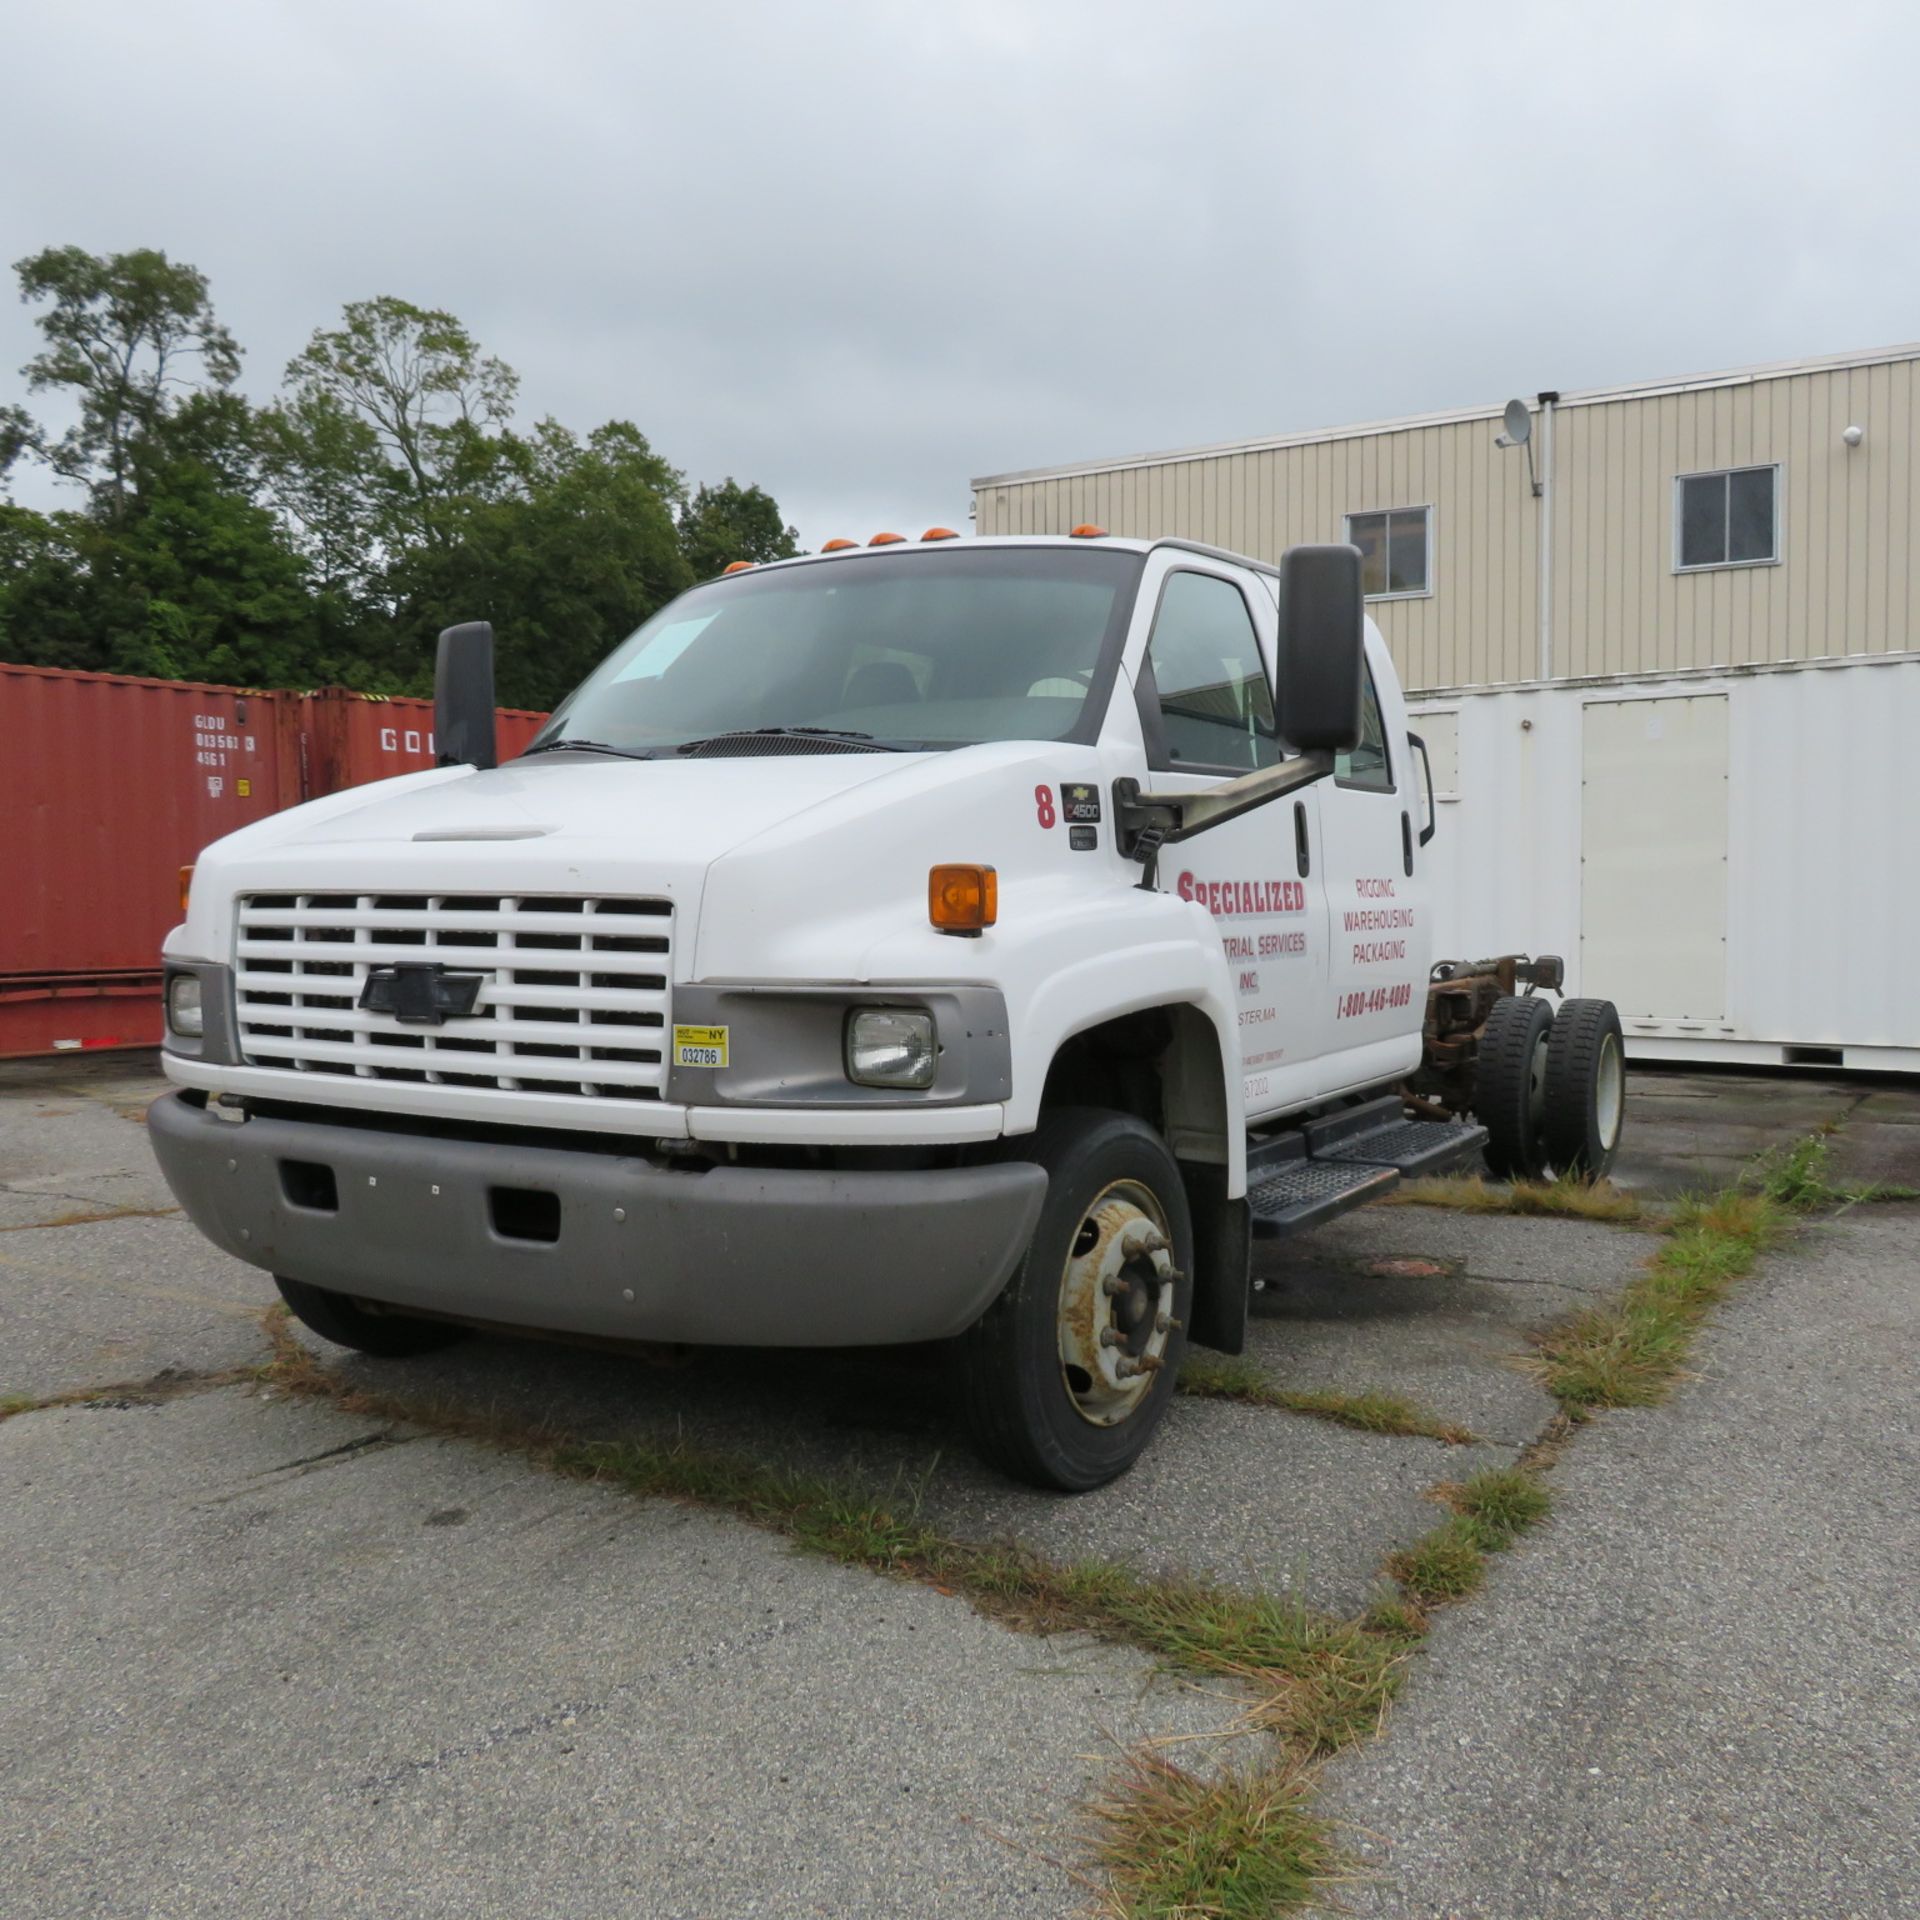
column 186, row 886
column 963, row 899
column 887, row 540
column 837, row 546
column 1088, row 532
column 738, row 566
column 939, row 533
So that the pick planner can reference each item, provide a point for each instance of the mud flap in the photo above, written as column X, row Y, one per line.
column 1222, row 1260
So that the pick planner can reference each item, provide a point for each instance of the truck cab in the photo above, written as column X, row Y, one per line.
column 965, row 941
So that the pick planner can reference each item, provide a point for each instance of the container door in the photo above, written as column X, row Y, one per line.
column 1207, row 709
column 1653, row 857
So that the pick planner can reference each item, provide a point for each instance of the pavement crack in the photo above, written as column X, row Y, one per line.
column 85, row 1219
column 566, row 1713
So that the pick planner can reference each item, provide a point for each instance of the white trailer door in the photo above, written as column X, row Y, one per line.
column 1653, row 857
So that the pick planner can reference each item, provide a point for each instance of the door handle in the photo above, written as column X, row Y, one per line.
column 1406, row 842
column 1302, row 855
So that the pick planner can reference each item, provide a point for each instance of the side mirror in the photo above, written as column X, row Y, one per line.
column 1321, row 656
column 463, row 715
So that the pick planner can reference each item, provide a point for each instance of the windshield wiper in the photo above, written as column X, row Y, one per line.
column 583, row 746
column 864, row 742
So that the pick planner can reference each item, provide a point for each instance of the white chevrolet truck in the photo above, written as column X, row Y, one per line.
column 965, row 941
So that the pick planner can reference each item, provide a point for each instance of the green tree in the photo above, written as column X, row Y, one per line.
column 722, row 524
column 434, row 405
column 575, row 551
column 128, row 335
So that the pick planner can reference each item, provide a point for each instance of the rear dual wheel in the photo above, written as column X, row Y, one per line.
column 1067, row 1374
column 1549, row 1088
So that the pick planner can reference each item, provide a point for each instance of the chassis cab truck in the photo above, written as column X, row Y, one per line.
column 965, row 941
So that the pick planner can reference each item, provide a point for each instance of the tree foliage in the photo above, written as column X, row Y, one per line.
column 383, row 493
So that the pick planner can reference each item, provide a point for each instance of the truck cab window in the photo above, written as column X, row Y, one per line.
column 1367, row 765
column 1215, row 701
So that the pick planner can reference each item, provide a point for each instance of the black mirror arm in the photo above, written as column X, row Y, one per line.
column 1146, row 822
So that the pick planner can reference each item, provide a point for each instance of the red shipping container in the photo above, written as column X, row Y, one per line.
column 352, row 738
column 110, row 785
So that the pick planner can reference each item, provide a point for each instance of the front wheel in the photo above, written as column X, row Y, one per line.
column 343, row 1320
column 1067, row 1374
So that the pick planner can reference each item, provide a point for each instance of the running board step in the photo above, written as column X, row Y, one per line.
column 1417, row 1149
column 1301, row 1193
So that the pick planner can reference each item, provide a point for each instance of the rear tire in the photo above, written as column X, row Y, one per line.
column 1586, row 1088
column 341, row 1319
column 1048, row 1400
column 1510, row 1086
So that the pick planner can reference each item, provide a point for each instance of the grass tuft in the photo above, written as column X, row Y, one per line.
column 1235, row 1846
column 1499, row 1504
column 1795, row 1178
column 12, row 1403
column 1446, row 1564
column 1629, row 1353
column 1564, row 1198
column 1210, row 1376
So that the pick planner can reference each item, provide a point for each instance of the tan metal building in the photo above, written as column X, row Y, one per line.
column 1766, row 514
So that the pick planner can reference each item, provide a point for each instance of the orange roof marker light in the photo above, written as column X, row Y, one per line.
column 963, row 899
column 939, row 533
column 738, row 566
column 837, row 546
column 1088, row 532
column 887, row 540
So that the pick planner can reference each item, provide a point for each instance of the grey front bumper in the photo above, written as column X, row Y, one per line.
column 733, row 1256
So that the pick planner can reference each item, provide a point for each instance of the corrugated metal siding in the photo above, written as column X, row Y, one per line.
column 1477, row 625
column 1850, row 547
column 1848, row 579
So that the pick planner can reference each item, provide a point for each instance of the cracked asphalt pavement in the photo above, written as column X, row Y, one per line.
column 257, row 1652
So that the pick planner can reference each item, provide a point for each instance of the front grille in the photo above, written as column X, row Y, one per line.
column 574, row 998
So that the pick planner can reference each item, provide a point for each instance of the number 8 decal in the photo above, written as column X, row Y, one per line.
column 1043, row 805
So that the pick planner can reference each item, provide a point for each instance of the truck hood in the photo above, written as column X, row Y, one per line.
column 557, row 823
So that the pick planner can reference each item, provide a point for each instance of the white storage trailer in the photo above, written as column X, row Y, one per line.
column 1748, row 882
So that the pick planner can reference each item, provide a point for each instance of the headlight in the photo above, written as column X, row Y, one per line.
column 184, row 1013
column 888, row 1047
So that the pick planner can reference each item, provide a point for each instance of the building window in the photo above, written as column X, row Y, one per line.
column 1727, row 519
column 1393, row 551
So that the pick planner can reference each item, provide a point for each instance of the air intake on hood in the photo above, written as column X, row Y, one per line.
column 746, row 746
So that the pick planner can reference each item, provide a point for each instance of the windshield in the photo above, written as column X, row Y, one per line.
column 907, row 651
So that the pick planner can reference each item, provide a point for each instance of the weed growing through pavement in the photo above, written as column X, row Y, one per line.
column 1489, row 1513
column 1239, row 1842
column 1210, row 1376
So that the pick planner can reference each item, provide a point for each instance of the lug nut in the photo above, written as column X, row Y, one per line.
column 1112, row 1337
column 1113, row 1286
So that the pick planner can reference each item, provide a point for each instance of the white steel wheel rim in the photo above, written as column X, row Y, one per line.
column 1116, row 1303
column 1609, row 1092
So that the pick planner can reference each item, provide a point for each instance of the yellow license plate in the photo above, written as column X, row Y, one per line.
column 699, row 1046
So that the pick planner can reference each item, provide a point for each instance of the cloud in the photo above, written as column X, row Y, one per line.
column 861, row 254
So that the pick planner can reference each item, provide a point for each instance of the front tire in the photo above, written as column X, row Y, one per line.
column 1067, row 1374
column 340, row 1318
column 1586, row 1088
column 1510, row 1086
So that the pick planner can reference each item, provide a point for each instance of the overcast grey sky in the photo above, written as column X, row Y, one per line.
column 862, row 253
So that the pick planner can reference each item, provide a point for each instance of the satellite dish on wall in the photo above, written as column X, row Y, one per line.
column 1518, row 421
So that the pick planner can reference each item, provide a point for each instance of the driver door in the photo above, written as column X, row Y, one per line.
column 1205, row 691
